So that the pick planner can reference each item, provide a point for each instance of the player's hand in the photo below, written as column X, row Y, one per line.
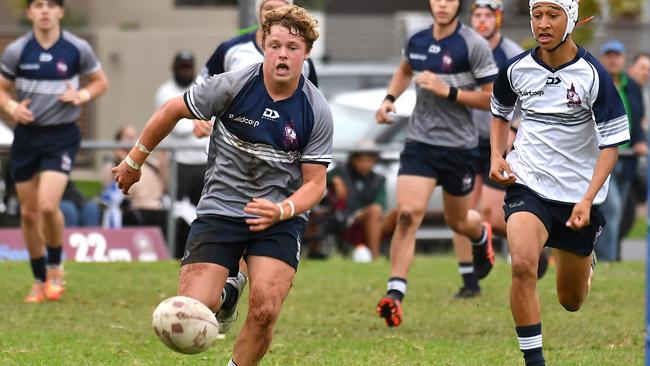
column 580, row 215
column 202, row 128
column 430, row 81
column 71, row 95
column 383, row 114
column 22, row 114
column 267, row 212
column 500, row 171
column 125, row 176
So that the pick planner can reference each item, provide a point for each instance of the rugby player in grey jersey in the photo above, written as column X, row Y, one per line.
column 267, row 162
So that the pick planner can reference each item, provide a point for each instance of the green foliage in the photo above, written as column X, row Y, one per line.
column 623, row 9
column 89, row 188
column 328, row 318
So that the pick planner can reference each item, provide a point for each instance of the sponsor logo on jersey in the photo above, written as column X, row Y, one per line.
column 29, row 66
column 417, row 56
column 573, row 99
column 516, row 204
column 553, row 81
column 242, row 119
column 530, row 93
column 271, row 114
column 45, row 57
column 435, row 49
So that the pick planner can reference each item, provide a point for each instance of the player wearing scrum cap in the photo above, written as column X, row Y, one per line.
column 572, row 122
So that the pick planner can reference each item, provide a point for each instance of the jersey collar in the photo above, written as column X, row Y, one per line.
column 581, row 52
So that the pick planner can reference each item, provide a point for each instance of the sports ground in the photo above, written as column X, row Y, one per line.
column 329, row 319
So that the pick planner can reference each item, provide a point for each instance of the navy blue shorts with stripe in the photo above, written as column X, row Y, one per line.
column 453, row 169
column 554, row 215
column 39, row 148
column 224, row 240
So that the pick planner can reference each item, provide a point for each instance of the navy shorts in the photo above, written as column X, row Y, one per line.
column 484, row 165
column 554, row 215
column 453, row 169
column 40, row 148
column 224, row 240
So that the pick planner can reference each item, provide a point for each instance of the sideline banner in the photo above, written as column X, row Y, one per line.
column 128, row 244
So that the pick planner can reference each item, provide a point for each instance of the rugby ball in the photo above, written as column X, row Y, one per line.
column 185, row 325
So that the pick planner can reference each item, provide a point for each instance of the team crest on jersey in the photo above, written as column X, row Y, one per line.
column 45, row 57
column 573, row 99
column 290, row 135
column 435, row 49
column 61, row 68
column 447, row 62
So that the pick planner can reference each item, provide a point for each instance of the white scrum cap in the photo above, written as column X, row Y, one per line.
column 570, row 7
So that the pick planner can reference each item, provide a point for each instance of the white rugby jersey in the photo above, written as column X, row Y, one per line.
column 568, row 114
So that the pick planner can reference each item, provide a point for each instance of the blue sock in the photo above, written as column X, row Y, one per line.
column 530, row 343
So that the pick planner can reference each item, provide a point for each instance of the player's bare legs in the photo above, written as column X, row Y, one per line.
column 526, row 237
column 270, row 282
column 413, row 194
column 492, row 209
column 572, row 282
column 203, row 282
column 50, row 190
column 371, row 218
column 30, row 223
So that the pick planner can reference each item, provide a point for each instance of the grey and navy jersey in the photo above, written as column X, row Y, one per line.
column 567, row 114
column 463, row 60
column 505, row 50
column 41, row 75
column 258, row 144
column 240, row 52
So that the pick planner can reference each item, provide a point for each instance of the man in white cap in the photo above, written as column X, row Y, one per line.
column 572, row 122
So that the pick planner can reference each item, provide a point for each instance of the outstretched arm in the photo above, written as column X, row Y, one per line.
column 157, row 128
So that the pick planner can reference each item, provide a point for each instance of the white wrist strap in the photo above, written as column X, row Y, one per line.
column 130, row 162
column 293, row 207
column 141, row 147
column 281, row 211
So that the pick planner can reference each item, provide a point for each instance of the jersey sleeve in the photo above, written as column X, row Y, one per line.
column 87, row 59
column 9, row 62
column 215, row 64
column 482, row 62
column 504, row 99
column 608, row 110
column 208, row 99
column 318, row 149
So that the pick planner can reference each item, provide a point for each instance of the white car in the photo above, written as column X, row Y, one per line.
column 6, row 134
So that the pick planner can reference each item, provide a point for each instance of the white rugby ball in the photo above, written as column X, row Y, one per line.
column 185, row 325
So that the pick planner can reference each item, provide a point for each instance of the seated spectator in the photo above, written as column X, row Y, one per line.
column 359, row 197
column 144, row 204
column 78, row 210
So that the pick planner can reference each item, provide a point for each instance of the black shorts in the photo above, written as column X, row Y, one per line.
column 224, row 240
column 484, row 165
column 554, row 215
column 453, row 169
column 40, row 148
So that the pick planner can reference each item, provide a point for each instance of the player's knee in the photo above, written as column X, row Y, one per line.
column 28, row 216
column 374, row 210
column 408, row 216
column 49, row 209
column 524, row 270
column 571, row 302
column 263, row 310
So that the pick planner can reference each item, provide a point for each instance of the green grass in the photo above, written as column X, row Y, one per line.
column 328, row 319
column 89, row 188
column 640, row 229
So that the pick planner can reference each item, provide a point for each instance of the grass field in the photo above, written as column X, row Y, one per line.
column 328, row 319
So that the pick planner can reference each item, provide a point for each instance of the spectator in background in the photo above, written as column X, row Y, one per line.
column 639, row 71
column 144, row 204
column 612, row 56
column 44, row 67
column 78, row 210
column 360, row 194
column 190, row 162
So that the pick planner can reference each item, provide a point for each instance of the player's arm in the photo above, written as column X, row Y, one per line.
column 19, row 112
column 400, row 81
column 604, row 164
column 157, row 128
column 307, row 196
column 97, row 85
column 500, row 171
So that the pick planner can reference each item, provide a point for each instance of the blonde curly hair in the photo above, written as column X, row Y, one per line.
column 296, row 19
